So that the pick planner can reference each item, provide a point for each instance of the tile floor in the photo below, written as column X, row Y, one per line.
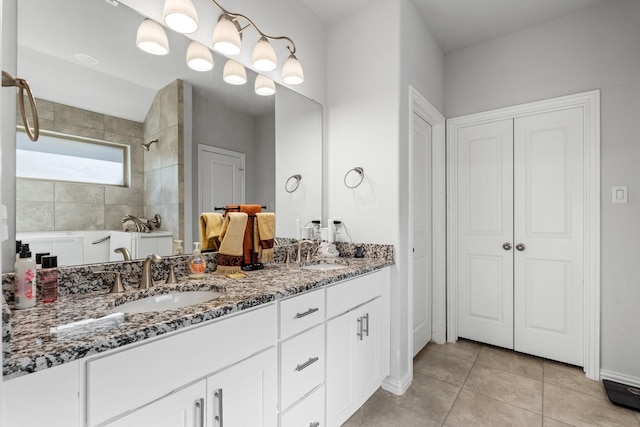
column 467, row 384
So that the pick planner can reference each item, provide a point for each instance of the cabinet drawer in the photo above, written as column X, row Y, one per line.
column 308, row 412
column 301, row 312
column 120, row 382
column 347, row 295
column 301, row 365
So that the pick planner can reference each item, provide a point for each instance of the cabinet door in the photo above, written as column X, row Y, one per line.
column 354, row 360
column 184, row 408
column 244, row 394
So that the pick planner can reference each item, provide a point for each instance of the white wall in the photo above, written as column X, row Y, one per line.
column 597, row 48
column 266, row 154
column 368, row 78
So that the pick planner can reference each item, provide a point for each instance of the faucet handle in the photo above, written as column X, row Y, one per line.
column 171, row 278
column 117, row 287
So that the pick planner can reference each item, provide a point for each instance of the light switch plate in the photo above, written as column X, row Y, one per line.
column 619, row 194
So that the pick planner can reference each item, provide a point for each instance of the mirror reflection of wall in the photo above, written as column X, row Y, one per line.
column 92, row 81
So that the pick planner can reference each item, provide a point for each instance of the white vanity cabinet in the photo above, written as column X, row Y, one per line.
column 357, row 343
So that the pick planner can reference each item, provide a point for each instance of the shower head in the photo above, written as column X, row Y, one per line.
column 148, row 144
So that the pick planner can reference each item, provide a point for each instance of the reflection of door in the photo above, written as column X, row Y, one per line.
column 220, row 178
column 520, row 219
column 422, row 236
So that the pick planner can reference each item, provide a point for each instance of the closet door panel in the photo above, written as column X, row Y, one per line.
column 548, row 216
column 485, row 223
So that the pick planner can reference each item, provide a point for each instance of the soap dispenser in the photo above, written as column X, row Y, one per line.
column 25, row 280
column 197, row 264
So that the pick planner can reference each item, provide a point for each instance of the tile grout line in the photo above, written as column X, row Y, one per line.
column 462, row 386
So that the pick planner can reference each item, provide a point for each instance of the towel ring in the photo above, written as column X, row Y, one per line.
column 291, row 187
column 359, row 171
column 9, row 81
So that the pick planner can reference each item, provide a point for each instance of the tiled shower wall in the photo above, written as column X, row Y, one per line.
column 164, row 162
column 54, row 206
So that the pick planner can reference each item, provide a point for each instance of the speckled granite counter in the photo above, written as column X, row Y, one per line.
column 82, row 324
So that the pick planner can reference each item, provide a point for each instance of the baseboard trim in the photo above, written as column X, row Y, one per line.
column 398, row 387
column 621, row 378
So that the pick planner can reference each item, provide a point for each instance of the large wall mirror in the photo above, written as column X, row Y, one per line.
column 93, row 84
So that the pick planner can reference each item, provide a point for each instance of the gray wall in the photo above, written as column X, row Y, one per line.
column 598, row 48
column 266, row 154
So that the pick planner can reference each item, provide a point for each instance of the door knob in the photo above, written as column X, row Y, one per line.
column 506, row 246
column 521, row 246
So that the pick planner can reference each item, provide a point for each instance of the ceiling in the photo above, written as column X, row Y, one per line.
column 457, row 24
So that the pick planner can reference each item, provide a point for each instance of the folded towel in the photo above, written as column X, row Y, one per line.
column 231, row 249
column 265, row 231
column 210, row 229
column 248, row 239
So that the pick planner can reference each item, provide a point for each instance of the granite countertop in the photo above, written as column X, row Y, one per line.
column 82, row 325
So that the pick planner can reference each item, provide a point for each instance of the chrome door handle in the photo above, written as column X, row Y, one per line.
column 306, row 313
column 218, row 413
column 200, row 412
column 306, row 364
column 506, row 246
column 521, row 247
column 366, row 328
column 359, row 333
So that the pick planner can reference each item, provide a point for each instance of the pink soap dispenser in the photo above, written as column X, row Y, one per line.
column 25, row 281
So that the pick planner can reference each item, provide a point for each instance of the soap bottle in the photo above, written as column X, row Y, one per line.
column 197, row 264
column 49, row 278
column 18, row 249
column 25, row 280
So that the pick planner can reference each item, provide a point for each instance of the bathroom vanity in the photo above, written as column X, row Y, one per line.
column 282, row 347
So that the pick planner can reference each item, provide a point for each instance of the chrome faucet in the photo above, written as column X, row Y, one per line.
column 146, row 280
column 300, row 244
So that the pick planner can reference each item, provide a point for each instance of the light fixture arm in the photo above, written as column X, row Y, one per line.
column 292, row 48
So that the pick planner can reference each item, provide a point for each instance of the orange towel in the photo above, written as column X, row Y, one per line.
column 247, row 246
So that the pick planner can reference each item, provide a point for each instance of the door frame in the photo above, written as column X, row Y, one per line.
column 419, row 105
column 590, row 104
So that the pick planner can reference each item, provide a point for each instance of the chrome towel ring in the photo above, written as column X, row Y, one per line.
column 359, row 171
column 9, row 81
column 292, row 183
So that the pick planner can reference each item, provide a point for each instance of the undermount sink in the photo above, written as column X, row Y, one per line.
column 323, row 267
column 166, row 301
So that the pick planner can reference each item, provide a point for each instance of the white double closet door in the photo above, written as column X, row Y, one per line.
column 520, row 234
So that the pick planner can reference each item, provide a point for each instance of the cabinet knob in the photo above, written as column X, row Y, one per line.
column 506, row 246
column 521, row 247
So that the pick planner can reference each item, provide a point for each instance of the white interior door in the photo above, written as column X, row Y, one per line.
column 220, row 178
column 485, row 232
column 549, row 216
column 422, row 235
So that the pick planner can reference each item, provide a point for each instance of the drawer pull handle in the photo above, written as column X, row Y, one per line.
column 306, row 364
column 218, row 413
column 359, row 333
column 316, row 424
column 366, row 328
column 200, row 412
column 306, row 313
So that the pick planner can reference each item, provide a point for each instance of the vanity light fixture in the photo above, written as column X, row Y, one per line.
column 292, row 73
column 234, row 73
column 180, row 16
column 151, row 38
column 264, row 57
column 226, row 36
column 264, row 86
column 199, row 57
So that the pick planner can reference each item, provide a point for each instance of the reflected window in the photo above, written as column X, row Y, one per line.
column 59, row 157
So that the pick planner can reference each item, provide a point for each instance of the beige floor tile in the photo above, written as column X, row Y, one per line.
column 381, row 411
column 549, row 422
column 442, row 366
column 638, row 415
column 510, row 361
column 573, row 378
column 463, row 349
column 472, row 409
column 513, row 389
column 580, row 409
column 428, row 396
